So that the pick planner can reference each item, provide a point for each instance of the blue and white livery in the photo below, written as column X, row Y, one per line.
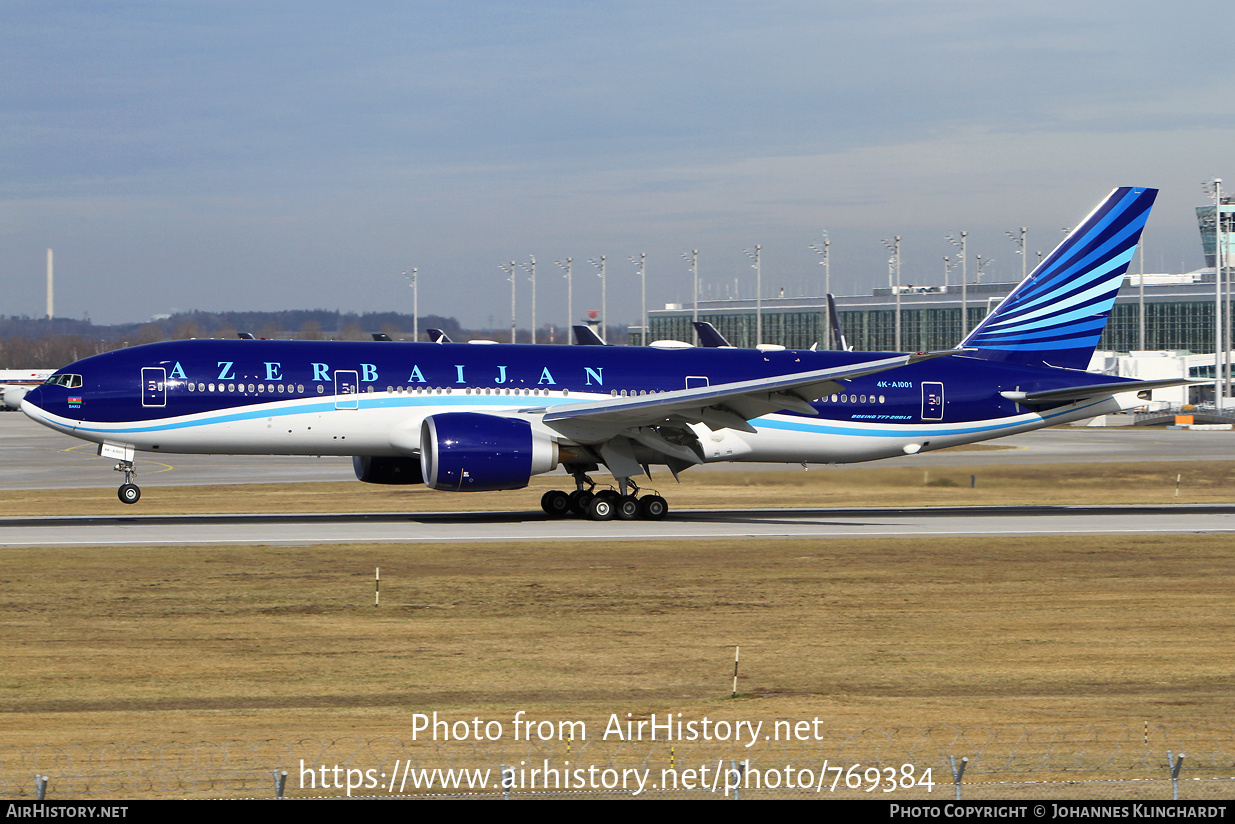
column 463, row 417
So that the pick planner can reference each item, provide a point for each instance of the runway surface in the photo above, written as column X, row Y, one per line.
column 35, row 457
column 472, row 527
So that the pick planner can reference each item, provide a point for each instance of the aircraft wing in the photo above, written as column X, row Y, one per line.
column 1075, row 393
column 726, row 405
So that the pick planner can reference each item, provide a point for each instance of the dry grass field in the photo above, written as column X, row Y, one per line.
column 252, row 642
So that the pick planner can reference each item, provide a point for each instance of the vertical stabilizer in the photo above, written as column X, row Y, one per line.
column 1056, row 315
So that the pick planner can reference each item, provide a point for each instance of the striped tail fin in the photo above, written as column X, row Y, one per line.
column 1056, row 315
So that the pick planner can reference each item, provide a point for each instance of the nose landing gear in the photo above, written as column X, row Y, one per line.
column 128, row 493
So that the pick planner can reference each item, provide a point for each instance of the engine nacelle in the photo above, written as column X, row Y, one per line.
column 378, row 470
column 472, row 452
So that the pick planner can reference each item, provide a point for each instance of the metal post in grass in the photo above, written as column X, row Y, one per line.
column 736, row 650
column 508, row 778
column 735, row 777
column 280, row 783
column 957, row 774
column 1175, row 764
column 40, row 786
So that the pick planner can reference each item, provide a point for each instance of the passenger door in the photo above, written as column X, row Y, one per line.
column 154, row 386
column 346, row 387
column 932, row 401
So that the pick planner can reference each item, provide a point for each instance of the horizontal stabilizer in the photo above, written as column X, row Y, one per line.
column 1075, row 393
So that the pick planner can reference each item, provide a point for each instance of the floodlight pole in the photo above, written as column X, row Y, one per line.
column 989, row 261
column 694, row 268
column 570, row 299
column 643, row 287
column 827, row 285
column 758, row 292
column 960, row 244
column 415, row 304
column 604, row 311
column 1218, row 342
column 510, row 270
column 894, row 246
column 1141, row 296
column 530, row 268
column 1020, row 244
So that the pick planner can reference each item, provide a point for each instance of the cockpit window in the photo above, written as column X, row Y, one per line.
column 67, row 381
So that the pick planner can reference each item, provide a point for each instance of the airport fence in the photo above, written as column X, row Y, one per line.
column 1114, row 762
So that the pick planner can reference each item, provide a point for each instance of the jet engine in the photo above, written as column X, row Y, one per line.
column 473, row 452
column 377, row 470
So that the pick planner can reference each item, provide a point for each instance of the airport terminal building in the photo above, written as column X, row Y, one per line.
column 1176, row 312
column 1169, row 315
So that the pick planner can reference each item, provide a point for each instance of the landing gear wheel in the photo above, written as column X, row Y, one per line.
column 627, row 508
column 129, row 493
column 601, row 508
column 579, row 500
column 555, row 503
column 653, row 507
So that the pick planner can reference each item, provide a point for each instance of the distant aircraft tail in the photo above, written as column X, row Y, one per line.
column 1057, row 314
column 837, row 331
column 709, row 338
column 584, row 336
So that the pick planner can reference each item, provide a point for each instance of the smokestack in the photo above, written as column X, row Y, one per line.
column 50, row 311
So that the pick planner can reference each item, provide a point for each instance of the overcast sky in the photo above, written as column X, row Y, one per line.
column 270, row 155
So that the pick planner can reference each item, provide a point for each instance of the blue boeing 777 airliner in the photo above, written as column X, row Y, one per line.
column 463, row 417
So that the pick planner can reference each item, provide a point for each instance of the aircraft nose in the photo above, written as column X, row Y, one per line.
column 33, row 398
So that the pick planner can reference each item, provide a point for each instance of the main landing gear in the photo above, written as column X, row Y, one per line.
column 604, row 505
column 128, row 493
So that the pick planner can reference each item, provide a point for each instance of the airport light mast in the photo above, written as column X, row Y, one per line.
column 570, row 299
column 415, row 303
column 894, row 246
column 531, row 269
column 960, row 244
column 643, row 285
column 755, row 255
column 827, row 285
column 604, row 308
column 510, row 270
column 693, row 258
column 1020, row 247
column 988, row 262
column 1220, row 353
